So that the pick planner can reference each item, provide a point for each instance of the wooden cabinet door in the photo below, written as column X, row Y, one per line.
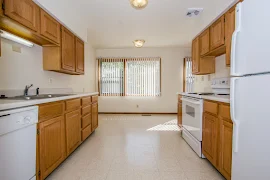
column 204, row 44
column 73, row 130
column 79, row 56
column 68, row 50
column 179, row 117
column 52, row 148
column 195, row 56
column 217, row 33
column 210, row 137
column 229, row 29
column 49, row 27
column 94, row 116
column 225, row 161
column 23, row 11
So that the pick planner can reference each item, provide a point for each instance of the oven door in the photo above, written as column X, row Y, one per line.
column 192, row 116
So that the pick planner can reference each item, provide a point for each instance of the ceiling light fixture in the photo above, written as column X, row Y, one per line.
column 139, row 4
column 139, row 43
column 15, row 38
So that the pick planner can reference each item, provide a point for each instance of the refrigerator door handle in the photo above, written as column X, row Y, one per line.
column 236, row 123
column 234, row 38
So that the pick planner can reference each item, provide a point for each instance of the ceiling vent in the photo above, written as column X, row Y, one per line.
column 192, row 12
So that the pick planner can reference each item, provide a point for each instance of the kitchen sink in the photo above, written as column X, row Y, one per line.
column 35, row 97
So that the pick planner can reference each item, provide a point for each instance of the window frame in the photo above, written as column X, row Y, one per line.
column 125, row 60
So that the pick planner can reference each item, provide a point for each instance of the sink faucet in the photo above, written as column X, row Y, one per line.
column 26, row 89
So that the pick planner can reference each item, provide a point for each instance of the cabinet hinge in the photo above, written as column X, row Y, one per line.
column 38, row 132
column 39, row 173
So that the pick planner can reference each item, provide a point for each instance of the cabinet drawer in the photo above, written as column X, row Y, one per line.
column 86, row 110
column 86, row 120
column 86, row 101
column 211, row 107
column 86, row 132
column 94, row 98
column 73, row 104
column 224, row 111
column 50, row 110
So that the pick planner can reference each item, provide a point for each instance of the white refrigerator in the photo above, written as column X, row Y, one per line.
column 250, row 91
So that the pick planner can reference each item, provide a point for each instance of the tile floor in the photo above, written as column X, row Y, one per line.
column 135, row 147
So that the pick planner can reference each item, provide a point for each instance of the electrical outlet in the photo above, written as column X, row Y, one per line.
column 137, row 106
column 50, row 80
column 17, row 49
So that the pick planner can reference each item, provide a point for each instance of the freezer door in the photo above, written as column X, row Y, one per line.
column 250, row 42
column 250, row 112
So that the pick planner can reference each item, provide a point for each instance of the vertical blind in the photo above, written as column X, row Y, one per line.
column 189, row 76
column 130, row 76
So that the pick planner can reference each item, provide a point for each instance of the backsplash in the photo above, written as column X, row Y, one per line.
column 203, row 82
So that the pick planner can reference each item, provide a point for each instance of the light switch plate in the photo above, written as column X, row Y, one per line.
column 17, row 49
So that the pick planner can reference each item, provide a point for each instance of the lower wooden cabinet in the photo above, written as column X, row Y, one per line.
column 73, row 130
column 179, row 116
column 210, row 137
column 52, row 148
column 225, row 161
column 217, row 136
column 94, row 116
column 62, row 127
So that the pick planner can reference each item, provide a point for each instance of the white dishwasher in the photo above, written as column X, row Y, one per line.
column 18, row 143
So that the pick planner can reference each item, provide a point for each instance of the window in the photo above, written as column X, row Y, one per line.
column 129, row 76
column 188, row 76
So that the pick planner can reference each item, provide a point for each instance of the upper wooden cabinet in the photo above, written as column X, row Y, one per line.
column 52, row 149
column 79, row 55
column 68, row 50
column 204, row 39
column 49, row 27
column 229, row 29
column 25, row 12
column 201, row 66
column 217, row 33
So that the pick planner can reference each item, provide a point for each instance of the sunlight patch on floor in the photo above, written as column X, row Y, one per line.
column 167, row 126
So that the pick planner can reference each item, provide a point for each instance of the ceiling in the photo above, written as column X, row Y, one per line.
column 115, row 24
column 163, row 23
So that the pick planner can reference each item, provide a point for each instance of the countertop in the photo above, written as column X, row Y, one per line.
column 11, row 104
column 218, row 98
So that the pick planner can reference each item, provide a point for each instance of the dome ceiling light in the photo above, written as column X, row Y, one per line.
column 139, row 4
column 139, row 43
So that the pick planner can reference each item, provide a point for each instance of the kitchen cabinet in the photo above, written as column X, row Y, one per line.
column 79, row 56
column 204, row 41
column 201, row 66
column 229, row 29
column 217, row 33
column 73, row 130
column 210, row 137
column 94, row 116
column 49, row 27
column 51, row 145
column 179, row 112
column 86, row 117
column 26, row 12
column 68, row 50
column 217, row 136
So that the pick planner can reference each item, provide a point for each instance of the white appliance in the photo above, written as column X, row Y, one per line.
column 18, row 143
column 192, row 109
column 250, row 87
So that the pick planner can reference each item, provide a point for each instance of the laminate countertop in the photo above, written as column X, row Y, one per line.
column 218, row 98
column 6, row 104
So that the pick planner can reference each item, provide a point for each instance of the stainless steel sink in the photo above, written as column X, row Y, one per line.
column 41, row 96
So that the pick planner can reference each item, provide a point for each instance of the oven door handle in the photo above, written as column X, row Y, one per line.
column 191, row 101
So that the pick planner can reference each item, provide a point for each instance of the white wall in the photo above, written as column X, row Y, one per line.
column 171, row 81
column 203, row 82
column 20, row 69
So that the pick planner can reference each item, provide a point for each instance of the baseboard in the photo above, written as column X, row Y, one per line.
column 135, row 113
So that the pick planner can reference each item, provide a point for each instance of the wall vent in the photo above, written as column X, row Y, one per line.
column 192, row 12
